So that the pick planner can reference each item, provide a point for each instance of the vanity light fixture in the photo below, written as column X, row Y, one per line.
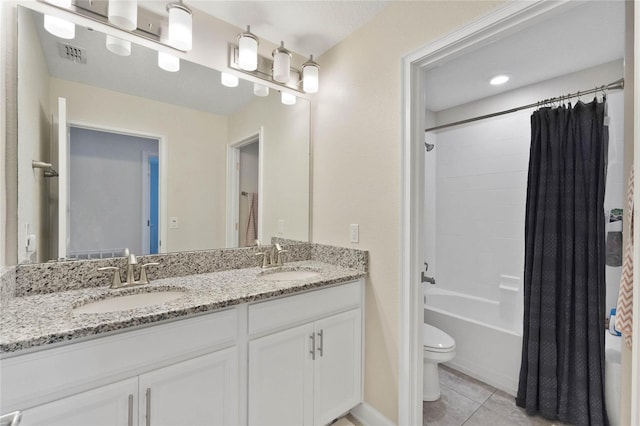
column 180, row 26
column 499, row 79
column 288, row 98
column 118, row 46
column 168, row 62
column 310, row 72
column 248, row 46
column 260, row 90
column 57, row 26
column 228, row 80
column 281, row 64
column 124, row 14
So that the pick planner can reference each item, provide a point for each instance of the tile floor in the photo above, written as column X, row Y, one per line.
column 469, row 402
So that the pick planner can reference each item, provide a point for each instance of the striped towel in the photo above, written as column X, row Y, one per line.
column 624, row 310
column 252, row 227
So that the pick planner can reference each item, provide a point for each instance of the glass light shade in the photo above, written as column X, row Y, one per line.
column 499, row 79
column 310, row 73
column 59, row 27
column 260, row 90
column 288, row 98
column 228, row 80
column 168, row 62
column 281, row 64
column 248, row 56
column 124, row 14
column 60, row 3
column 180, row 27
column 118, row 46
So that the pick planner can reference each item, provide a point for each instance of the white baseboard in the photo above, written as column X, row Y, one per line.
column 369, row 416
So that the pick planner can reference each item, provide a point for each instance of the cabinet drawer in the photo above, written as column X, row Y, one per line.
column 274, row 314
column 39, row 377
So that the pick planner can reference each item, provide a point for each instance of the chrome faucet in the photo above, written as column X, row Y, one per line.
column 272, row 257
column 132, row 261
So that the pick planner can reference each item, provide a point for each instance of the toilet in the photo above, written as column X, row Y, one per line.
column 438, row 347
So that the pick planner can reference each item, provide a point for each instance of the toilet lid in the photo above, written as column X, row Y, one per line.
column 435, row 338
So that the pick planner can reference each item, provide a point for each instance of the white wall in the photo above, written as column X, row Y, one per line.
column 285, row 152
column 34, row 125
column 356, row 133
column 482, row 181
column 106, row 187
column 195, row 155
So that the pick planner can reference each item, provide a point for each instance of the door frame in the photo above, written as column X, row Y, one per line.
column 233, row 185
column 499, row 23
column 163, row 223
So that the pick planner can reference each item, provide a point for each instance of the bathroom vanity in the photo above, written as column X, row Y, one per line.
column 235, row 349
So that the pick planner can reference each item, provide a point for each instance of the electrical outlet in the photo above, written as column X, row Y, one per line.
column 354, row 234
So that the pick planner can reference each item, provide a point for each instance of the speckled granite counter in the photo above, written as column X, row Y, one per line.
column 33, row 321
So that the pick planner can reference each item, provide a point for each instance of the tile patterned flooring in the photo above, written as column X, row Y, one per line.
column 469, row 402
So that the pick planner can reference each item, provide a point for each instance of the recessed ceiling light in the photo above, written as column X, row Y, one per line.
column 499, row 79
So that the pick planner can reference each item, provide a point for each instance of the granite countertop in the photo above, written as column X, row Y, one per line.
column 39, row 320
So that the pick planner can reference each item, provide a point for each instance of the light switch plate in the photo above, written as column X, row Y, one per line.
column 354, row 234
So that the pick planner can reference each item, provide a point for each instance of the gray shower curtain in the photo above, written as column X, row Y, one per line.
column 562, row 369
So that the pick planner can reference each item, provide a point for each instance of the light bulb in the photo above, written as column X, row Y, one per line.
column 260, row 90
column 310, row 73
column 59, row 27
column 228, row 80
column 124, row 14
column 281, row 64
column 118, row 46
column 180, row 26
column 168, row 62
column 248, row 50
column 288, row 98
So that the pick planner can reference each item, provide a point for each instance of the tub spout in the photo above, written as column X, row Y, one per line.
column 430, row 280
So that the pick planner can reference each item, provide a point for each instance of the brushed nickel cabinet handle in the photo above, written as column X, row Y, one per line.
column 148, row 410
column 321, row 344
column 130, row 414
column 312, row 351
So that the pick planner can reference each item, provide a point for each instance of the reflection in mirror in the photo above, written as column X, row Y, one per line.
column 154, row 161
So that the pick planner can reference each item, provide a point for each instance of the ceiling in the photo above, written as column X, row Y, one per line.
column 588, row 34
column 306, row 26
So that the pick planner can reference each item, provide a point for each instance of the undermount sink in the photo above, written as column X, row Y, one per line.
column 130, row 301
column 288, row 275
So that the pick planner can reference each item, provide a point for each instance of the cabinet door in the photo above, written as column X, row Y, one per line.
column 338, row 366
column 281, row 378
column 200, row 391
column 112, row 405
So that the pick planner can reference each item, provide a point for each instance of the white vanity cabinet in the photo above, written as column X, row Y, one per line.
column 305, row 363
column 183, row 372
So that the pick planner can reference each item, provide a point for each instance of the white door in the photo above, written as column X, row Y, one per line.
column 60, row 193
column 200, row 391
column 338, row 366
column 281, row 378
column 112, row 405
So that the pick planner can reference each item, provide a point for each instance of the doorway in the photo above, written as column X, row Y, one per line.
column 244, row 189
column 113, row 193
column 503, row 22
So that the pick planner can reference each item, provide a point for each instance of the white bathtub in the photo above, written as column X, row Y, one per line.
column 488, row 345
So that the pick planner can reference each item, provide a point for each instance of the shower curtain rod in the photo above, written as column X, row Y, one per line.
column 619, row 84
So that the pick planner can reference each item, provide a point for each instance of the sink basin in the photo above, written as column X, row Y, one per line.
column 130, row 301
column 289, row 275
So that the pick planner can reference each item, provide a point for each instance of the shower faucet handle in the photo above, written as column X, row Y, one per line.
column 426, row 266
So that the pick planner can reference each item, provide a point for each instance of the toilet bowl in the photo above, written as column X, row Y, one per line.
column 438, row 347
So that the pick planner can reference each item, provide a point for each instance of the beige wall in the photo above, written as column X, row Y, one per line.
column 195, row 155
column 285, row 153
column 33, row 126
column 356, row 134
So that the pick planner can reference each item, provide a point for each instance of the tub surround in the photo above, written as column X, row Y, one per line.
column 53, row 277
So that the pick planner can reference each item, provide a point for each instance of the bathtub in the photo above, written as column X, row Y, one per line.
column 488, row 342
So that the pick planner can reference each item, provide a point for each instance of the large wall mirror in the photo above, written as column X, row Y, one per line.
column 153, row 161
